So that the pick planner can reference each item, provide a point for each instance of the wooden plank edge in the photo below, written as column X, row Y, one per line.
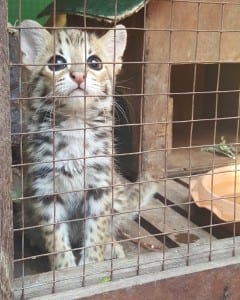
column 125, row 285
column 68, row 280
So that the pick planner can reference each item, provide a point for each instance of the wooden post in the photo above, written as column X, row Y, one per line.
column 157, row 138
column 6, row 236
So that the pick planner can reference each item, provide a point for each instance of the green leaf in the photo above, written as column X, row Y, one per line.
column 222, row 148
column 105, row 279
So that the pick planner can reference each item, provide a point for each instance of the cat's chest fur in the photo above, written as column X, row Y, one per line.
column 87, row 152
column 77, row 156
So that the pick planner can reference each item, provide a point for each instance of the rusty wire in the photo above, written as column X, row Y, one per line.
column 166, row 174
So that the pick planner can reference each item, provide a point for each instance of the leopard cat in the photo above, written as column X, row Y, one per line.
column 72, row 189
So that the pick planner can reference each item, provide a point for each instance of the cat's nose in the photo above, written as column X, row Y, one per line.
column 78, row 77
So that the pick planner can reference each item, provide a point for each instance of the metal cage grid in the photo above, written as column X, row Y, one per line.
column 170, row 232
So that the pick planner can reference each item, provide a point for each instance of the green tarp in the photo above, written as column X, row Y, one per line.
column 107, row 10
column 26, row 9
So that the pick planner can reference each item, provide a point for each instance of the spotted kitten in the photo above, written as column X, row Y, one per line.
column 69, row 147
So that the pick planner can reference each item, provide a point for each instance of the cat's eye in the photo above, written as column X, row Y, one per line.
column 57, row 63
column 94, row 62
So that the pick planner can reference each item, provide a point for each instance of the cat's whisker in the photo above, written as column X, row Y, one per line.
column 119, row 109
column 42, row 103
column 128, row 79
column 123, row 87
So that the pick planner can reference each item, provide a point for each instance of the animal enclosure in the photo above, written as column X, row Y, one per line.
column 176, row 117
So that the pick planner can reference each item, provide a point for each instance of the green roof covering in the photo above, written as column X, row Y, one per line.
column 107, row 10
column 26, row 9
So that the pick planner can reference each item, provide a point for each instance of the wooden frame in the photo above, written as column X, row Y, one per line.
column 6, row 236
column 125, row 282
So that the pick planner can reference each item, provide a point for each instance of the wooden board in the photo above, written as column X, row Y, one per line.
column 6, row 240
column 176, row 227
column 68, row 281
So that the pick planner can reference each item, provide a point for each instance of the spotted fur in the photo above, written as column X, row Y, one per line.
column 69, row 148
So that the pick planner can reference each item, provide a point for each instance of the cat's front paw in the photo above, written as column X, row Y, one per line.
column 92, row 254
column 63, row 260
column 114, row 250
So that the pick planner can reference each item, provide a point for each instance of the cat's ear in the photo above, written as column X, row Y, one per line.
column 32, row 37
column 115, row 41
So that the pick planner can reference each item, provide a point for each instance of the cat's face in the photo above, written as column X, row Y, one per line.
column 72, row 64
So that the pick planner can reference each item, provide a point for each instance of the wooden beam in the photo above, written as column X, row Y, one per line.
column 6, row 238
column 157, row 104
column 206, row 280
column 153, row 265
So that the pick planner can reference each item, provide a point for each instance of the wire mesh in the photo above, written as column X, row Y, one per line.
column 175, row 116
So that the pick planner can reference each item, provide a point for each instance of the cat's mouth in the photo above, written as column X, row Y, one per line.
column 78, row 92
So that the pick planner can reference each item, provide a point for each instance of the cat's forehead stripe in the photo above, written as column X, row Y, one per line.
column 76, row 37
column 67, row 40
column 70, row 41
column 59, row 38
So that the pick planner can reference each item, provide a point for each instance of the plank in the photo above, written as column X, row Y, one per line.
column 151, row 263
column 158, row 106
column 177, row 284
column 201, row 162
column 179, row 194
column 176, row 192
column 6, row 240
column 137, row 233
column 174, row 226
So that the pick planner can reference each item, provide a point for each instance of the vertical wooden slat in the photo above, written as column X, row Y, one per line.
column 6, row 240
column 157, row 104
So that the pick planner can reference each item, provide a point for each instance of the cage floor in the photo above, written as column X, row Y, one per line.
column 171, row 220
